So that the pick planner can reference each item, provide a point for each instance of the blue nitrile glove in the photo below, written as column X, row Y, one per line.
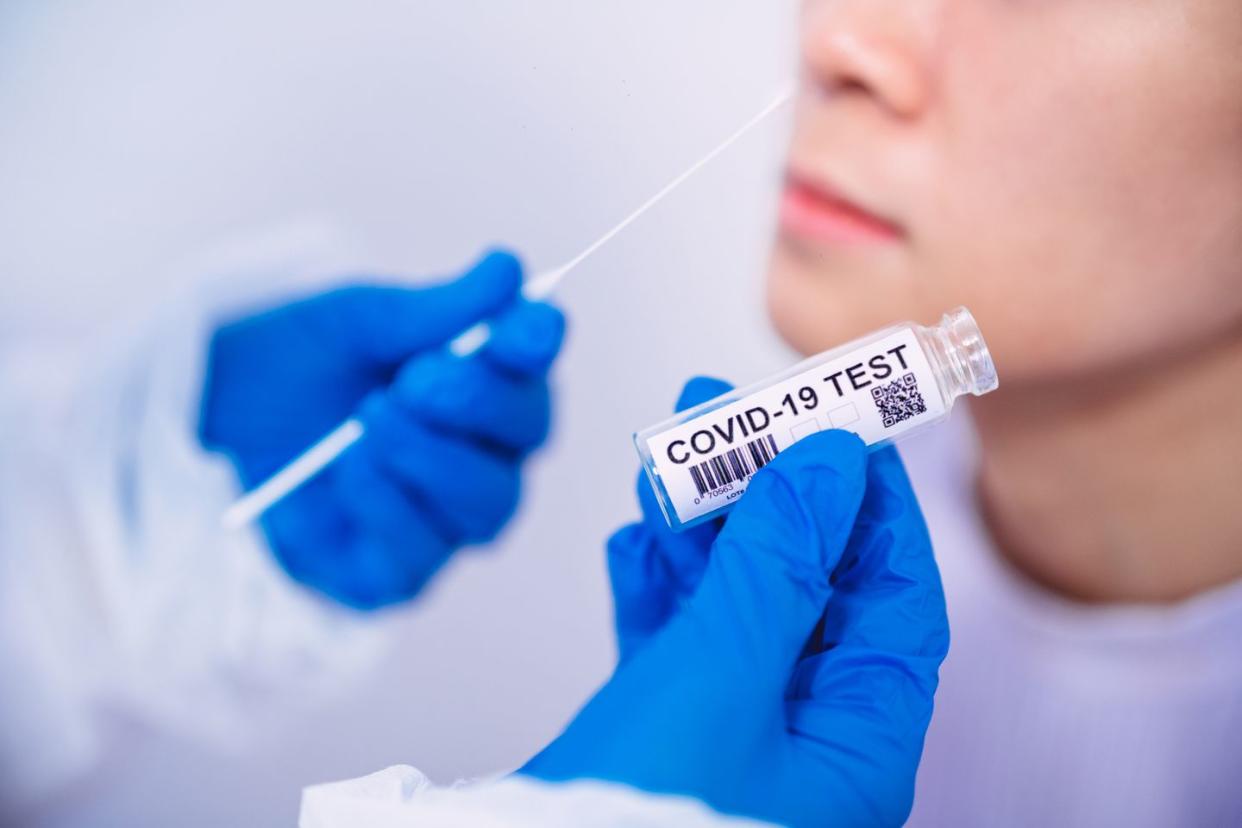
column 793, row 681
column 446, row 436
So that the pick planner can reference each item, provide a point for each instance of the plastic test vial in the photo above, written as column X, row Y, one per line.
column 882, row 387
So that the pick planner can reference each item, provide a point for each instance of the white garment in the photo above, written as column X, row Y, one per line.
column 119, row 591
column 1051, row 713
column 401, row 797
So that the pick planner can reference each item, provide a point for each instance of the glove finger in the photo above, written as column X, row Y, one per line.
column 526, row 339
column 767, row 583
column 393, row 550
column 887, row 594
column 467, row 491
column 643, row 591
column 295, row 530
column 685, row 553
column 472, row 398
column 652, row 568
column 699, row 390
column 885, row 633
column 387, row 325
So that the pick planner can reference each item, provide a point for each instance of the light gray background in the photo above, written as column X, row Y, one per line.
column 135, row 134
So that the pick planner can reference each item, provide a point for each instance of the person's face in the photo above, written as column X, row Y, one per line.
column 1070, row 170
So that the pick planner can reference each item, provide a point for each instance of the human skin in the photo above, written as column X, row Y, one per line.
column 1070, row 170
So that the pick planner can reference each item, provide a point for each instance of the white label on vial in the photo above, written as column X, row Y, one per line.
column 878, row 392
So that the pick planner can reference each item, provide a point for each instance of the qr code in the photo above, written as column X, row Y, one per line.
column 899, row 400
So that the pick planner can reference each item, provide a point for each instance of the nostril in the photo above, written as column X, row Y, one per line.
column 850, row 86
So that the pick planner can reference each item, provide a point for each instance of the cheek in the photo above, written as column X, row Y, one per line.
column 1092, row 213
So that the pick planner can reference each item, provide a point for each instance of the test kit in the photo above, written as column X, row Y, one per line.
column 881, row 387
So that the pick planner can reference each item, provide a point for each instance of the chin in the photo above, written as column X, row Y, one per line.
column 801, row 328
column 815, row 306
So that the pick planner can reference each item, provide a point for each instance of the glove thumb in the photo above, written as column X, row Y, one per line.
column 767, row 583
column 390, row 324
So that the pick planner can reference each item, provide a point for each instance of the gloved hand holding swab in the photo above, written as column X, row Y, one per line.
column 322, row 454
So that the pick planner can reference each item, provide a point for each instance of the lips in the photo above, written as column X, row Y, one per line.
column 813, row 213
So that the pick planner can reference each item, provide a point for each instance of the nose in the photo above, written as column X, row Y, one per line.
column 879, row 50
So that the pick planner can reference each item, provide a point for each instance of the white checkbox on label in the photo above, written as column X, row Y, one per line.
column 805, row 429
column 844, row 416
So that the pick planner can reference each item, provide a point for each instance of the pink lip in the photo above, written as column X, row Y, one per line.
column 812, row 213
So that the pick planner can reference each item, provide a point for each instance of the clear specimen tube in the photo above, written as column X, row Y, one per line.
column 882, row 387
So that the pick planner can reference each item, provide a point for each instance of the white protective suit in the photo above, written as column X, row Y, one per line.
column 401, row 797
column 120, row 593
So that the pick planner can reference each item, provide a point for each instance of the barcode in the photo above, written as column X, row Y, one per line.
column 899, row 401
column 735, row 464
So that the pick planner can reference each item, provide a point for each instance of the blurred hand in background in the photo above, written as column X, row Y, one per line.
column 440, row 464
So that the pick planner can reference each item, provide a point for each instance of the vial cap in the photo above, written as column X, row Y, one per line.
column 972, row 351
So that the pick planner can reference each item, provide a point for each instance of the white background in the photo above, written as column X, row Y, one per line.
column 137, row 134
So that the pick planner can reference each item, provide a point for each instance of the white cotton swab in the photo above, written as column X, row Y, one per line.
column 319, row 456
